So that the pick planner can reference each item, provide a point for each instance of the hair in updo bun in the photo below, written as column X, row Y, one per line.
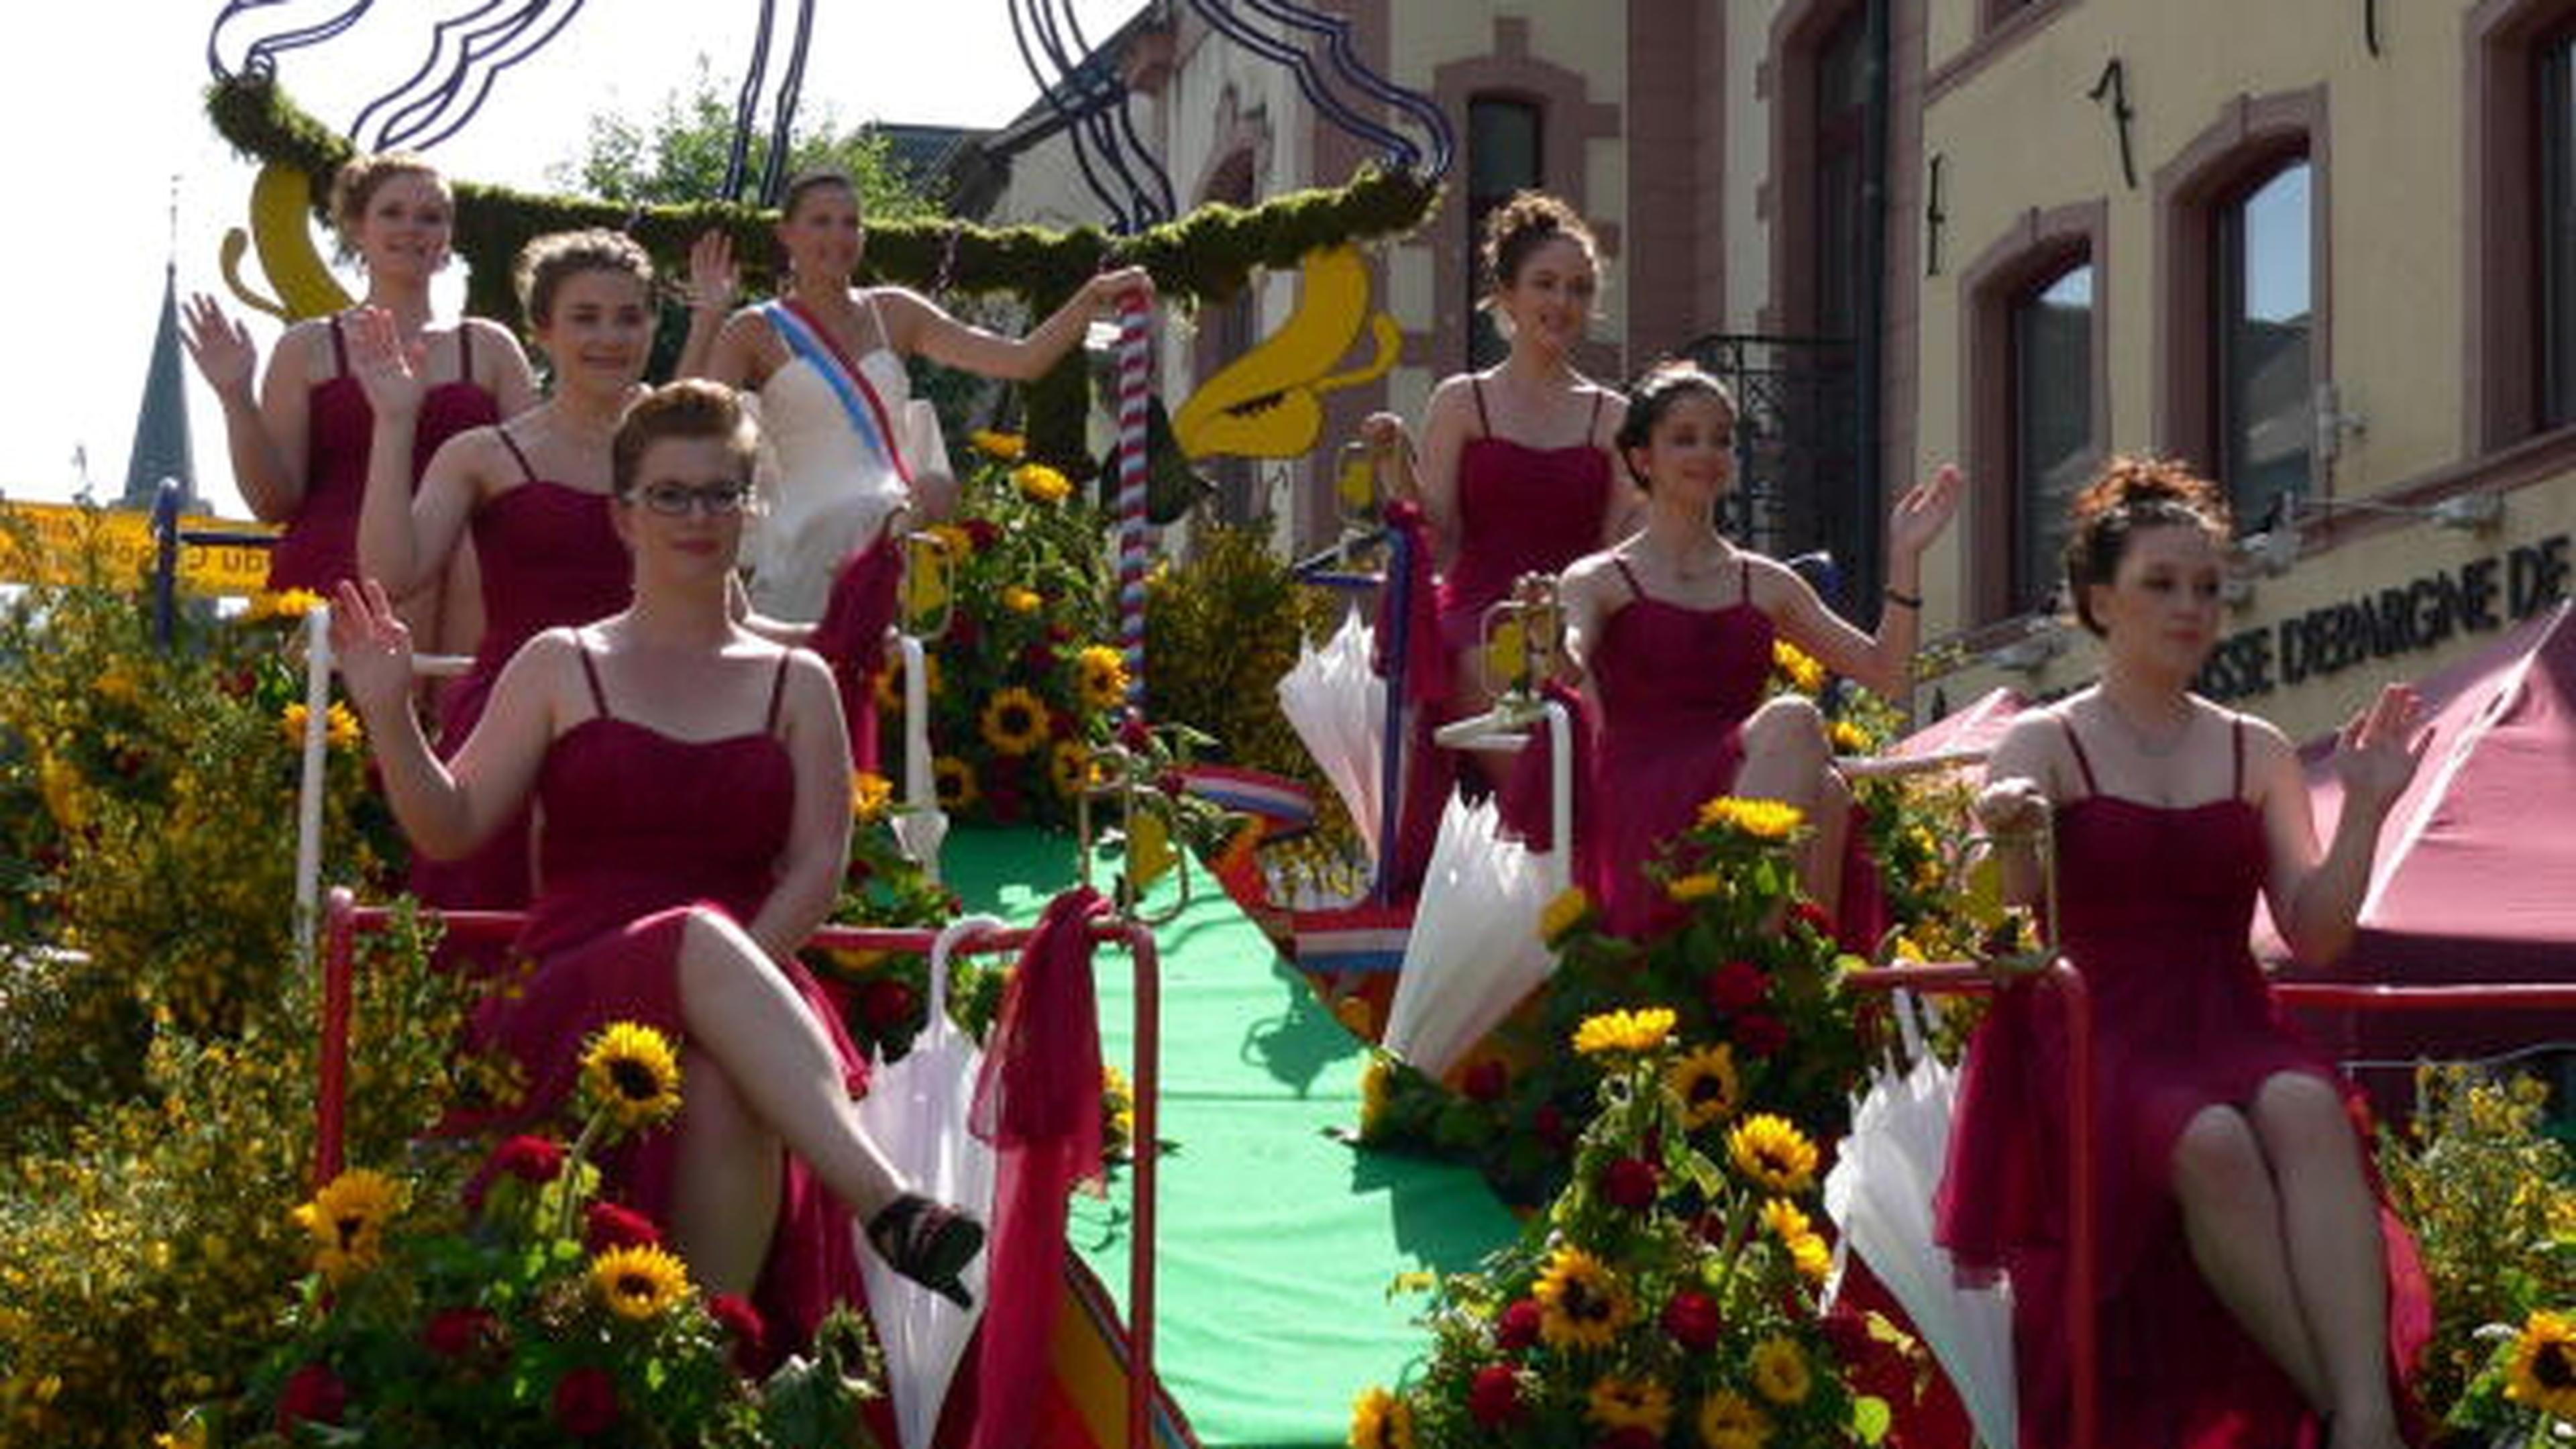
column 1653, row 396
column 2132, row 494
column 1520, row 226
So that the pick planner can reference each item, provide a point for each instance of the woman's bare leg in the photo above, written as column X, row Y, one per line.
column 724, row 1201
column 2336, row 1256
column 2231, row 1217
column 1787, row 758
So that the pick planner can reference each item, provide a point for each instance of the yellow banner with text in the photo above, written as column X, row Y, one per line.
column 63, row 543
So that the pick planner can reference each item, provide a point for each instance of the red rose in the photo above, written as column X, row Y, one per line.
column 1635, row 1436
column 586, row 1402
column 963, row 631
column 741, row 1323
column 1734, row 986
column 1849, row 1333
column 1691, row 1318
column 1059, row 632
column 884, row 1005
column 1494, row 1399
column 1630, row 1183
column 458, row 1332
column 1760, row 1035
column 605, row 1225
column 1549, row 1124
column 1039, row 659
column 313, row 1394
column 529, row 1159
column 983, row 533
column 1487, row 1080
column 1516, row 1327
column 1814, row 917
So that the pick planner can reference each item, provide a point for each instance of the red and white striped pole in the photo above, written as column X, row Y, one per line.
column 1135, row 323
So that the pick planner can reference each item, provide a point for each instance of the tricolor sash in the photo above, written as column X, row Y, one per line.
column 805, row 336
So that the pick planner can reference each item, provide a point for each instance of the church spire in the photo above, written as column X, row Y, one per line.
column 161, row 448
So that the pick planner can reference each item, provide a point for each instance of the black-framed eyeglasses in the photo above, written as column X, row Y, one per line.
column 678, row 500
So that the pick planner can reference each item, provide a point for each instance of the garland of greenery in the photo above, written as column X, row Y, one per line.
column 1199, row 258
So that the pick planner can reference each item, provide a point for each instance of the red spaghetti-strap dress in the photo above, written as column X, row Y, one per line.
column 320, row 545
column 2182, row 1021
column 1520, row 510
column 549, row 558
column 642, row 829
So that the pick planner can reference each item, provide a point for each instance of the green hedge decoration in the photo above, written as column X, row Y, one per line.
column 1198, row 258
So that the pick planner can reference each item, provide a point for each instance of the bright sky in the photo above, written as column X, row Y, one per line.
column 102, row 112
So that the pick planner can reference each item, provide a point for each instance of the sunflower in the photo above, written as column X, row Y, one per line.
column 339, row 726
column 1780, row 1371
column 1377, row 1085
column 1009, row 447
column 1617, row 1403
column 960, row 543
column 1785, row 1222
column 639, row 1283
column 1707, row 1084
column 1380, row 1420
column 2543, row 1372
column 1812, row 1256
column 1773, row 1153
column 631, row 1073
column 955, row 782
column 889, row 688
column 284, row 604
column 1797, row 666
column 347, row 1221
column 1699, row 885
column 1103, row 675
column 1021, row 600
column 1069, row 767
column 1015, row 721
column 870, row 794
column 1039, row 483
column 1581, row 1303
column 1849, row 738
column 1570, row 909
column 1760, row 819
column 1728, row 1420
column 1624, row 1031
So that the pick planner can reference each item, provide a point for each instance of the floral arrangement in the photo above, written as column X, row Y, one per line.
column 2491, row 1199
column 542, row 1313
column 1669, row 1295
column 1749, row 976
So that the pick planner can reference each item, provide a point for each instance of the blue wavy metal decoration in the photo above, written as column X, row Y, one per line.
column 1400, row 150
column 261, row 56
column 467, row 53
column 1090, row 102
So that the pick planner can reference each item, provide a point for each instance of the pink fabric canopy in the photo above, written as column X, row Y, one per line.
column 1978, row 725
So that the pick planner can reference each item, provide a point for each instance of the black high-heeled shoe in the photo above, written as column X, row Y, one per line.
column 928, row 1242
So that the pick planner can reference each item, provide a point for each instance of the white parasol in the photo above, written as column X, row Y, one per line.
column 1879, row 1194
column 915, row 1111
column 1337, row 705
column 1475, row 949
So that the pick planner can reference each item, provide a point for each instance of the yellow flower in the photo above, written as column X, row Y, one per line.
column 2543, row 1371
column 1774, row 1154
column 1569, row 910
column 339, row 726
column 1021, row 600
column 1707, row 1084
column 890, row 683
column 1728, row 1420
column 346, row 1220
column 1069, row 767
column 1760, row 819
column 1780, row 1371
column 1039, row 483
column 639, row 1283
column 1380, row 1420
column 1697, row 886
column 1581, row 1303
column 1015, row 721
column 1849, row 738
column 117, row 682
column 1785, row 1222
column 961, row 544
column 1812, row 1256
column 870, row 795
column 1377, row 1082
column 288, row 604
column 1617, row 1403
column 1797, row 666
column 631, row 1072
column 955, row 782
column 60, row 780
column 1624, row 1031
column 1006, row 446
column 1102, row 673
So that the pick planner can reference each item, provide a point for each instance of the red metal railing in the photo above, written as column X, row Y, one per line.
column 344, row 918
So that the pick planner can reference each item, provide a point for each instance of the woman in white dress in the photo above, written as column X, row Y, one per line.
column 827, row 361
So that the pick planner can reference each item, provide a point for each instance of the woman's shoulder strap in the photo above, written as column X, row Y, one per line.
column 777, row 690
column 590, row 672
column 2074, row 743
column 526, row 473
column 1621, row 564
column 1484, row 420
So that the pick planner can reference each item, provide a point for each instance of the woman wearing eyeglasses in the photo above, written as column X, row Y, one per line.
column 533, row 492
column 694, row 781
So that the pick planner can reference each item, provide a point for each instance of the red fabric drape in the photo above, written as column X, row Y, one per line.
column 851, row 636
column 1429, row 771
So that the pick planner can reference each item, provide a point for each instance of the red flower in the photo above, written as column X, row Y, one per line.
column 314, row 1395
column 529, row 1159
column 1691, row 1318
column 741, row 1323
column 884, row 1005
column 963, row 631
column 1487, row 1080
column 1059, row 632
column 1630, row 1183
column 1549, row 1124
column 1734, row 986
column 983, row 533
column 1494, row 1399
column 1815, row 919
column 1760, row 1035
column 1039, row 659
column 586, row 1402
column 605, row 1225
column 1516, row 1327
column 1635, row 1436
column 458, row 1332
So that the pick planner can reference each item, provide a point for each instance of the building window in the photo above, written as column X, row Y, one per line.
column 2052, row 425
column 2265, row 317
column 1504, row 157
column 2557, row 239
column 1841, row 129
